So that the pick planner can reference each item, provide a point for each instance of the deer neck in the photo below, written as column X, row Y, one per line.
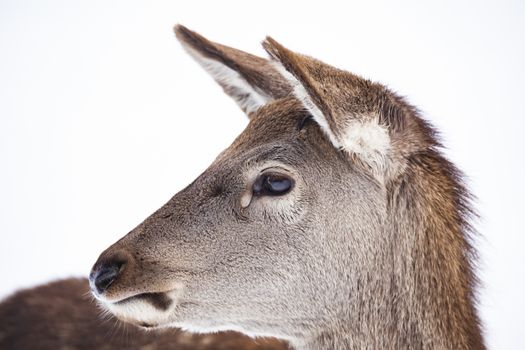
column 420, row 295
column 431, row 295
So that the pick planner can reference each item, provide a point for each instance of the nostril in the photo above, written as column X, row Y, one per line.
column 102, row 277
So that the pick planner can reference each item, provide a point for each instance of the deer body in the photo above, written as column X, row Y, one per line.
column 62, row 315
column 333, row 221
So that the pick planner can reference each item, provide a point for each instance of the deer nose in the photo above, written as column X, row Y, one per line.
column 104, row 273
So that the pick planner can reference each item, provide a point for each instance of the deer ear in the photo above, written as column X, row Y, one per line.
column 347, row 107
column 250, row 80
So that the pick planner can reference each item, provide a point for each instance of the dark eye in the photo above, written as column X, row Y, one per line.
column 272, row 185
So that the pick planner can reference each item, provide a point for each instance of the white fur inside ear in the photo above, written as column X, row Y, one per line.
column 300, row 92
column 369, row 140
column 246, row 96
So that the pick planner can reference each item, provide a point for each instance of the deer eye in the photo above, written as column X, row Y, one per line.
column 272, row 185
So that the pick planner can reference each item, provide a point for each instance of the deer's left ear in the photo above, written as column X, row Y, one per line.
column 250, row 80
column 349, row 109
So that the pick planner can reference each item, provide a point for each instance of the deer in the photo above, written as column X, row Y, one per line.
column 333, row 221
column 63, row 315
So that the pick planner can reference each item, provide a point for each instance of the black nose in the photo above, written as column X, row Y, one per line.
column 103, row 275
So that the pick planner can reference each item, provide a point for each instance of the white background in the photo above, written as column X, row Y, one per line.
column 103, row 117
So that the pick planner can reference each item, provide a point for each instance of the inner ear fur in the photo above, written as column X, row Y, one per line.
column 250, row 80
column 370, row 123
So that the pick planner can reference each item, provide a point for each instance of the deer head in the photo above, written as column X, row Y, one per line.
column 332, row 220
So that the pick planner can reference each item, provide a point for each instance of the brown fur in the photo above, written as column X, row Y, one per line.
column 427, row 191
column 62, row 315
column 370, row 249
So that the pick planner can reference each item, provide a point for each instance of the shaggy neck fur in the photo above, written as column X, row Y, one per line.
column 420, row 293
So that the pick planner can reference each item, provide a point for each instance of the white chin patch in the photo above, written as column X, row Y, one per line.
column 144, row 311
